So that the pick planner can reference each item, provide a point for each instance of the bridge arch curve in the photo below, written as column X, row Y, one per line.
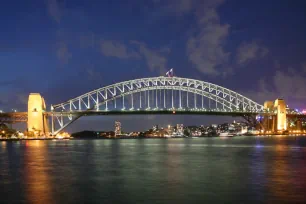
column 230, row 101
column 92, row 100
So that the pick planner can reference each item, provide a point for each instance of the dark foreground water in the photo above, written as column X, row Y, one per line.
column 204, row 170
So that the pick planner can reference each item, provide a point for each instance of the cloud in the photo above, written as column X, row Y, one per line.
column 116, row 49
column 54, row 10
column 289, row 85
column 165, row 50
column 206, row 48
column 63, row 53
column 155, row 60
column 250, row 51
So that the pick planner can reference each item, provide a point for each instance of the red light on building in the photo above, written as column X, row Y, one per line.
column 304, row 111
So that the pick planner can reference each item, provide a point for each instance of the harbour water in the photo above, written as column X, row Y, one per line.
column 259, row 169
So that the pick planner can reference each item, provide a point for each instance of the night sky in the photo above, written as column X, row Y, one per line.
column 65, row 48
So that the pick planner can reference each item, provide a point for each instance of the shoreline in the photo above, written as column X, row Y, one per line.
column 122, row 138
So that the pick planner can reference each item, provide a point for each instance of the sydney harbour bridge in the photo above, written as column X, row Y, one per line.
column 155, row 95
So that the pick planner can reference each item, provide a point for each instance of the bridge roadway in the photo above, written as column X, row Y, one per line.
column 16, row 117
column 150, row 112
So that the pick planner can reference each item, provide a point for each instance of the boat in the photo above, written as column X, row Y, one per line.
column 226, row 134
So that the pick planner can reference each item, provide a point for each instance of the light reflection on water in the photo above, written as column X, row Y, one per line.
column 240, row 169
column 36, row 178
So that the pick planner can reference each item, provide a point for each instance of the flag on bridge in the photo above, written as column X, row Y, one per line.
column 170, row 73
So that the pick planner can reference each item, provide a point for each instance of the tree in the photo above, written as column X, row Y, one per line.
column 187, row 132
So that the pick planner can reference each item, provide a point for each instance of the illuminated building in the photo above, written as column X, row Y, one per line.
column 117, row 128
column 170, row 129
column 214, row 125
column 179, row 128
column 155, row 128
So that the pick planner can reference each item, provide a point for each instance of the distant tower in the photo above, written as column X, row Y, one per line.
column 155, row 128
column 117, row 128
column 179, row 128
column 280, row 107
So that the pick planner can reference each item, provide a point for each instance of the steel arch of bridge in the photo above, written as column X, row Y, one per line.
column 92, row 101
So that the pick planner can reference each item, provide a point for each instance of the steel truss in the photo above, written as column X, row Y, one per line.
column 229, row 100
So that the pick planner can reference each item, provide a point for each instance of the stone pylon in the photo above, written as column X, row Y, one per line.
column 37, row 121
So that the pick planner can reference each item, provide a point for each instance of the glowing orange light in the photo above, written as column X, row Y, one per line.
column 173, row 112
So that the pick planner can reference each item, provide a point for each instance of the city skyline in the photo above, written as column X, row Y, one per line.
column 62, row 51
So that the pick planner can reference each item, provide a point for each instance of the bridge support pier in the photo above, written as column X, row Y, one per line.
column 280, row 107
column 37, row 121
column 278, row 115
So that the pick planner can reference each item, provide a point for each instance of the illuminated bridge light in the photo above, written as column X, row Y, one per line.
column 154, row 95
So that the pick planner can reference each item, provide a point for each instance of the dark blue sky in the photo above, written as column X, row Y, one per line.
column 64, row 48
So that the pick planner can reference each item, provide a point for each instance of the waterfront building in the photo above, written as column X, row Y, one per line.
column 214, row 126
column 117, row 128
column 170, row 129
column 180, row 129
column 155, row 128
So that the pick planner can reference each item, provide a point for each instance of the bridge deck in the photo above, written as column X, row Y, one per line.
column 150, row 112
column 14, row 117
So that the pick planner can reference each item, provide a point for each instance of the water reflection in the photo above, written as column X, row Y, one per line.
column 258, row 170
column 175, row 177
column 282, row 179
column 38, row 186
column 209, row 170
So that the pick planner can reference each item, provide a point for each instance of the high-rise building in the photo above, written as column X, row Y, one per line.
column 117, row 128
column 155, row 128
column 170, row 129
column 180, row 128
